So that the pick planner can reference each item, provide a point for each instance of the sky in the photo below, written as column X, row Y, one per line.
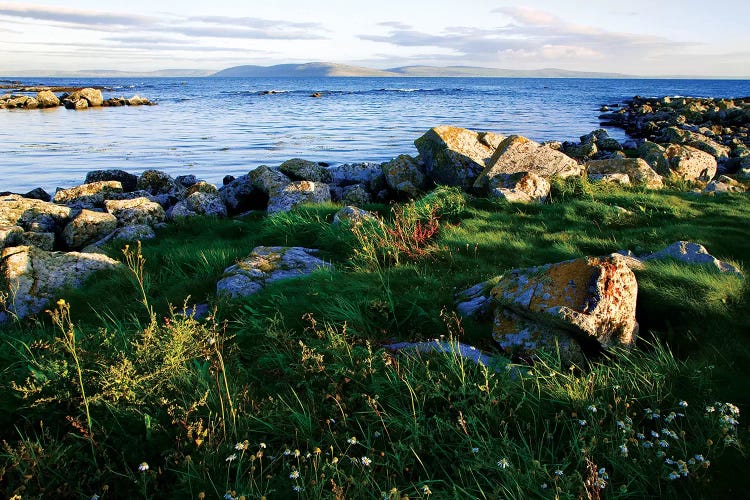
column 635, row 37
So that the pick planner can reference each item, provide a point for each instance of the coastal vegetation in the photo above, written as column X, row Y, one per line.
column 116, row 392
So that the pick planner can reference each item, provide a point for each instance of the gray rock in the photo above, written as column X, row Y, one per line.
column 139, row 232
column 297, row 193
column 475, row 302
column 268, row 180
column 655, row 155
column 636, row 169
column 161, row 185
column 10, row 236
column 523, row 187
column 352, row 215
column 691, row 253
column 240, row 195
column 136, row 211
column 303, row 170
column 88, row 227
column 35, row 277
column 368, row 174
column 621, row 179
column 404, row 175
column 355, row 195
column 199, row 203
column 38, row 194
column 265, row 265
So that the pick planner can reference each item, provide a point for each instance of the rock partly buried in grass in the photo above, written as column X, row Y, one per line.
column 691, row 253
column 127, row 234
column 476, row 302
column 199, row 203
column 690, row 163
column 637, row 170
column 352, row 215
column 588, row 302
column 724, row 185
column 455, row 156
column 297, row 193
column 88, row 227
column 524, row 187
column 404, row 175
column 519, row 154
column 354, row 195
column 265, row 265
column 91, row 195
column 34, row 277
column 136, row 211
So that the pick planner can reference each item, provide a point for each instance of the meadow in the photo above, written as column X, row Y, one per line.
column 116, row 392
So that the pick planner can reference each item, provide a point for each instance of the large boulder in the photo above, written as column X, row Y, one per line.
column 297, row 193
column 690, row 163
column 46, row 99
column 521, row 187
column 136, row 211
column 404, row 175
column 199, row 203
column 32, row 215
column 455, row 156
column 34, row 277
column 10, row 236
column 127, row 180
column 637, row 170
column 368, row 174
column 519, row 154
column 87, row 227
column 89, row 195
column 590, row 300
column 304, row 170
column 679, row 136
column 43, row 240
column 93, row 97
column 655, row 155
column 161, row 185
column 268, row 180
column 240, row 195
column 265, row 265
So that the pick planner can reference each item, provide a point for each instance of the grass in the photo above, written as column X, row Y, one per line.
column 289, row 392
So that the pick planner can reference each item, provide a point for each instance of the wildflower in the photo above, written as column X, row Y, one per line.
column 591, row 408
column 296, row 453
column 669, row 461
column 660, row 454
column 287, row 452
column 543, row 486
column 352, row 440
column 640, row 436
column 581, row 423
column 663, row 444
column 621, row 424
column 655, row 434
column 377, row 434
column 475, row 450
column 426, row 490
column 263, row 446
column 297, row 488
column 559, row 473
column 728, row 419
column 648, row 444
column 624, row 450
column 241, row 446
column 603, row 473
column 231, row 457
column 710, row 409
column 317, row 451
column 366, row 461
column 228, row 496
column 670, row 417
column 683, row 404
column 95, row 497
column 294, row 474
column 700, row 458
column 673, row 476
column 143, row 467
column 503, row 463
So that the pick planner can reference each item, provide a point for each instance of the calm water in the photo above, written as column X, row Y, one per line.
column 211, row 127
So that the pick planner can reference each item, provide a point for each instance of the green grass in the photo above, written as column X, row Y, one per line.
column 271, row 391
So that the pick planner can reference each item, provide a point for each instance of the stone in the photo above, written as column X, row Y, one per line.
column 696, row 140
column 31, row 103
column 475, row 302
column 352, row 215
column 127, row 180
column 518, row 336
column 129, row 234
column 298, row 193
column 519, row 154
column 88, row 227
column 157, row 183
column 455, row 156
column 199, row 203
column 268, row 180
column 38, row 194
column 39, row 239
column 404, row 175
column 303, row 170
column 356, row 194
column 690, row 163
column 136, row 211
column 266, row 265
column 691, row 253
column 368, row 174
column 93, row 97
column 35, row 277
column 186, row 180
column 724, row 184
column 591, row 299
column 10, row 236
column 655, row 155
column 523, row 187
column 621, row 179
column 32, row 215
column 201, row 187
column 637, row 170
column 87, row 195
column 46, row 99
column 240, row 195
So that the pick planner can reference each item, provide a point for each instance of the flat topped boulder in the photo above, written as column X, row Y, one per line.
column 34, row 277
column 265, row 265
column 88, row 195
column 32, row 215
column 305, row 170
column 136, row 211
column 455, row 156
column 519, row 154
column 590, row 300
column 690, row 163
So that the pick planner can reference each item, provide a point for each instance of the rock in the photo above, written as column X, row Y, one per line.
column 455, row 156
column 93, row 97
column 297, row 193
column 137, row 100
column 691, row 253
column 35, row 277
column 227, row 179
column 10, row 236
column 199, row 203
column 580, row 151
column 31, row 103
column 127, row 180
column 690, row 163
column 404, row 175
column 186, row 180
column 87, row 195
column 157, row 183
column 201, row 187
column 519, row 154
column 32, row 215
column 368, row 174
column 38, row 194
column 268, row 180
column 265, row 265
column 352, row 215
column 46, row 99
column 591, row 300
column 475, row 302
column 637, row 170
column 521, row 187
column 724, row 184
column 39, row 239
column 355, row 195
column 304, row 170
column 138, row 232
column 241, row 194
column 655, row 155
column 136, row 211
column 696, row 140
column 621, row 179
column 77, row 105
column 518, row 336
column 88, row 227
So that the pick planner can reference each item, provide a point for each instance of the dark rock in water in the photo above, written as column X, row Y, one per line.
column 186, row 180
column 128, row 181
column 38, row 194
column 316, row 95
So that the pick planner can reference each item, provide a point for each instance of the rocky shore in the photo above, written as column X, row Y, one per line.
column 71, row 98
column 50, row 242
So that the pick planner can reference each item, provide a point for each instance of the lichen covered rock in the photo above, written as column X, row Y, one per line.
column 404, row 175
column 523, row 187
column 199, row 203
column 305, row 170
column 690, row 163
column 88, row 227
column 297, row 193
column 136, row 211
column 32, row 215
column 637, row 170
column 91, row 195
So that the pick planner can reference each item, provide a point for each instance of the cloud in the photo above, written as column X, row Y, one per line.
column 73, row 16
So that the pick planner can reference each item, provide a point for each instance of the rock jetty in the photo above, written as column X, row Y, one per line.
column 71, row 98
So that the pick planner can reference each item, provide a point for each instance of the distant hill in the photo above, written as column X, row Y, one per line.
column 323, row 69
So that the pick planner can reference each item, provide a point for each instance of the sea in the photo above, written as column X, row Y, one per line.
column 212, row 127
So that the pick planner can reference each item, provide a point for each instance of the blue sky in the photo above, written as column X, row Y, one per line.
column 664, row 37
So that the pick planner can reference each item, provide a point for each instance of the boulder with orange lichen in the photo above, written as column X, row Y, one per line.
column 588, row 302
